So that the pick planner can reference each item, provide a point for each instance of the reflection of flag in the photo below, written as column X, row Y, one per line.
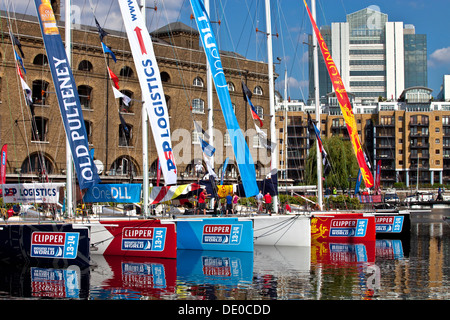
column 125, row 99
column 101, row 33
column 247, row 95
column 114, row 78
column 106, row 49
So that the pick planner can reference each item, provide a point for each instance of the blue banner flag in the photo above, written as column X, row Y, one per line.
column 224, row 169
column 207, row 148
column 358, row 182
column 106, row 49
column 67, row 94
column 242, row 154
column 118, row 193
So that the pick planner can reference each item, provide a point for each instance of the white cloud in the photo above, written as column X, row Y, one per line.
column 440, row 58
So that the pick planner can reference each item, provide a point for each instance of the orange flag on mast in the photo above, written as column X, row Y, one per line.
column 344, row 102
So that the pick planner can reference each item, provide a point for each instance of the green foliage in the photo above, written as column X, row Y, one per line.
column 343, row 164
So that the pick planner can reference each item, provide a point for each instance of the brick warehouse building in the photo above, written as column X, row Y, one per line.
column 182, row 66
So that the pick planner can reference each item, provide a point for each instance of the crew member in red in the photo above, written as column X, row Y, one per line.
column 201, row 201
column 268, row 201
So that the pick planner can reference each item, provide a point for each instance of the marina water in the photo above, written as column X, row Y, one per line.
column 414, row 269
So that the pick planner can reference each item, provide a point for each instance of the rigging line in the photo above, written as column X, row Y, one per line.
column 284, row 225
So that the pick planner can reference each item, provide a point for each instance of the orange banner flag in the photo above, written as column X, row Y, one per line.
column 344, row 102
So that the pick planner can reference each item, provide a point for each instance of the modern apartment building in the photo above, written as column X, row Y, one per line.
column 377, row 59
column 410, row 137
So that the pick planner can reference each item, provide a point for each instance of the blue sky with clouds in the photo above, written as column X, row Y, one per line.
column 240, row 18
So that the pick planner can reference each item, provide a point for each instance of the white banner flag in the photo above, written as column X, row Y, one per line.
column 151, row 86
column 32, row 192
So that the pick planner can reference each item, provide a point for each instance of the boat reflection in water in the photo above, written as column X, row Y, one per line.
column 351, row 269
column 31, row 281
column 132, row 278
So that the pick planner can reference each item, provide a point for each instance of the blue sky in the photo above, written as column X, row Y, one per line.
column 240, row 18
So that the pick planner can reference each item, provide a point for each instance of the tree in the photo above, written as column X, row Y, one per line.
column 342, row 159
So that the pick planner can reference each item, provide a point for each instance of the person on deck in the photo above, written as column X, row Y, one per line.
column 259, row 198
column 229, row 199
column 201, row 201
column 235, row 202
column 268, row 201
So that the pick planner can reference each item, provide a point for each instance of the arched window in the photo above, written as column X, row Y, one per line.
column 126, row 107
column 230, row 86
column 40, row 60
column 39, row 129
column 258, row 91
column 39, row 93
column 125, row 134
column 37, row 163
column 84, row 93
column 85, row 66
column 165, row 77
column 198, row 106
column 198, row 82
column 123, row 166
column 126, row 72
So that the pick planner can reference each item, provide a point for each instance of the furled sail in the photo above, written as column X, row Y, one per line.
column 67, row 94
column 151, row 86
column 344, row 102
column 242, row 154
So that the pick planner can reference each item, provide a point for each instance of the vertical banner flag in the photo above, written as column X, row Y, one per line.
column 344, row 102
column 358, row 182
column 241, row 151
column 151, row 86
column 3, row 158
column 67, row 94
column 378, row 176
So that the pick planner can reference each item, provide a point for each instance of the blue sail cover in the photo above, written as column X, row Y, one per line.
column 241, row 151
column 68, row 99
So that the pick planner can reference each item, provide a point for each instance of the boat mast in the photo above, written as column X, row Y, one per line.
column 209, row 92
column 274, row 158
column 69, row 164
column 273, row 138
column 317, row 104
column 145, row 175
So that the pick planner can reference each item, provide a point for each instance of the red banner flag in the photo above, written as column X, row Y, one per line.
column 344, row 102
column 114, row 78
